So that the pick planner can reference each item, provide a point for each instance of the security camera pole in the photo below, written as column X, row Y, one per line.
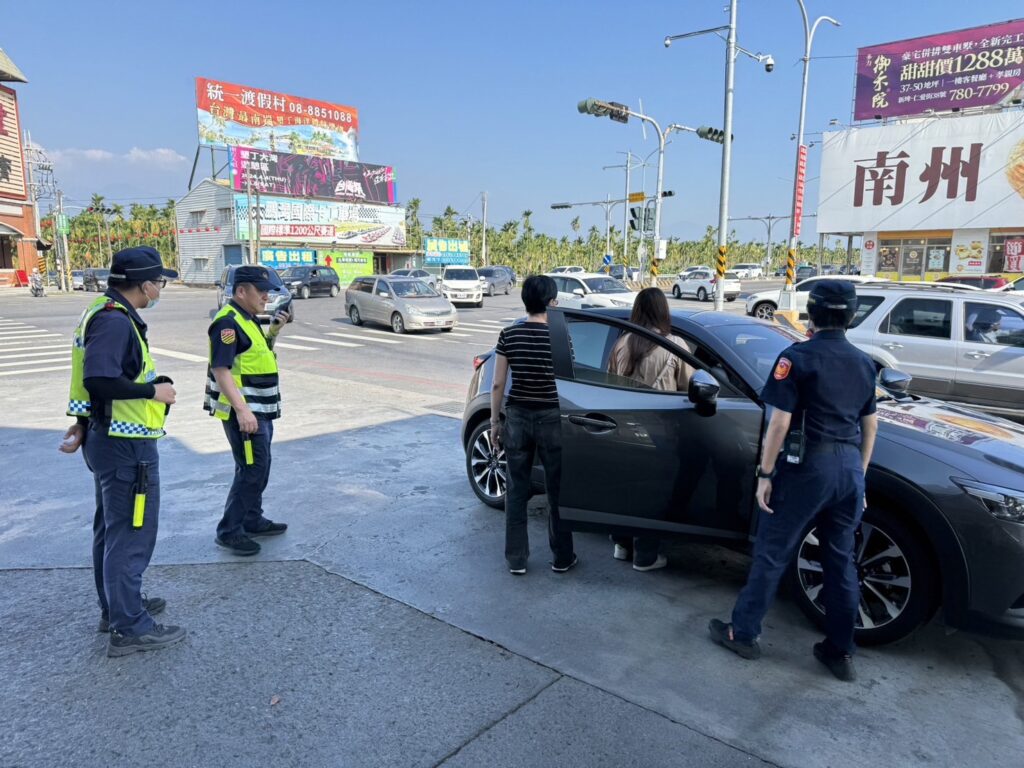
column 731, row 50
column 786, row 300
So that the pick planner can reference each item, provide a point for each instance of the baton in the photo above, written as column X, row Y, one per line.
column 141, row 488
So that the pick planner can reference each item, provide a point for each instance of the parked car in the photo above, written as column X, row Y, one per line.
column 964, row 346
column 95, row 279
column 805, row 271
column 419, row 274
column 747, row 271
column 77, row 280
column 688, row 270
column 512, row 275
column 985, row 282
column 764, row 303
column 304, row 282
column 1014, row 285
column 277, row 295
column 402, row 303
column 622, row 272
column 585, row 290
column 701, row 285
column 462, row 285
column 497, row 280
column 780, row 271
column 944, row 525
column 567, row 270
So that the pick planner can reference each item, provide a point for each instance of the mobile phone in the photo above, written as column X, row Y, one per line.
column 286, row 307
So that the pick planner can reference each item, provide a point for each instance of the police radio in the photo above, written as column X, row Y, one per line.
column 796, row 442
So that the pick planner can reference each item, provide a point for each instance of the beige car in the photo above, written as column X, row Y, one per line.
column 402, row 303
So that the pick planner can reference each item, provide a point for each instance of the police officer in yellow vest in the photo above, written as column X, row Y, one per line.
column 120, row 404
column 242, row 391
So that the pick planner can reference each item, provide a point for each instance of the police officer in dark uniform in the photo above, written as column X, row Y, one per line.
column 121, row 405
column 816, row 452
column 242, row 391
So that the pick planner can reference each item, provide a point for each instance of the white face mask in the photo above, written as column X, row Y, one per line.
column 151, row 302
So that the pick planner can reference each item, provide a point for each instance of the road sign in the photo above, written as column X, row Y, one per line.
column 63, row 226
column 636, row 197
column 607, row 259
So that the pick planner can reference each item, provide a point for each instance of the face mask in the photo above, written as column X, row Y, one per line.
column 150, row 303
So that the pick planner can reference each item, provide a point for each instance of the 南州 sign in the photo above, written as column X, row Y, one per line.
column 306, row 176
column 982, row 66
column 12, row 166
column 954, row 173
column 284, row 220
column 231, row 114
column 445, row 250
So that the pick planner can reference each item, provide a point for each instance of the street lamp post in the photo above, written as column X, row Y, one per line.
column 786, row 300
column 606, row 204
column 768, row 221
column 629, row 165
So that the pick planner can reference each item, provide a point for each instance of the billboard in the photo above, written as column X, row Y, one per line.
column 282, row 258
column 285, row 220
column 953, row 173
column 445, row 250
column 283, row 173
column 982, row 66
column 12, row 163
column 231, row 114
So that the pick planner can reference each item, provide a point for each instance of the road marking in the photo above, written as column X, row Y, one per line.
column 27, row 338
column 286, row 345
column 363, row 338
column 33, row 348
column 62, row 359
column 510, row 319
column 456, row 333
column 492, row 322
column 7, row 332
column 325, row 341
column 13, row 324
column 469, row 329
column 36, row 370
column 391, row 333
column 179, row 355
column 52, row 352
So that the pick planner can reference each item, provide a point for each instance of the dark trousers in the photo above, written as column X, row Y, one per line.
column 121, row 553
column 528, row 431
column 244, row 507
column 828, row 488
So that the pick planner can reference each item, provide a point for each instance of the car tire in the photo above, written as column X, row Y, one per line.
column 335, row 290
column 480, row 304
column 507, row 288
column 304, row 292
column 676, row 293
column 730, row 298
column 486, row 469
column 398, row 323
column 490, row 290
column 353, row 315
column 447, row 330
column 702, row 295
column 764, row 310
column 894, row 560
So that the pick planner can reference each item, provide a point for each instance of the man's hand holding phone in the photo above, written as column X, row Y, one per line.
column 281, row 318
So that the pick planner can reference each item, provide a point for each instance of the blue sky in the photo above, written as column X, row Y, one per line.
column 458, row 96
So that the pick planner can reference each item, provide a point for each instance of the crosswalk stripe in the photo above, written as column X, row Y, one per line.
column 325, row 341
column 462, row 335
column 5, row 350
column 34, row 362
column 53, row 351
column 15, row 340
column 390, row 333
column 491, row 322
column 8, row 333
column 36, row 370
column 178, row 355
column 510, row 319
column 363, row 338
column 286, row 345
column 13, row 324
column 463, row 327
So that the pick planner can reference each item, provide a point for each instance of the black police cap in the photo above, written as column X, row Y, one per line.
column 138, row 264
column 258, row 276
column 833, row 294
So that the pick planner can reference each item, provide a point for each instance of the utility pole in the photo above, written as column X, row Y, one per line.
column 723, row 199
column 625, row 213
column 483, row 232
column 61, row 243
column 769, row 222
column 249, row 227
column 256, row 257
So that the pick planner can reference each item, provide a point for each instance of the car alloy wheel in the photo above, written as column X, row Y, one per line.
column 764, row 311
column 335, row 290
column 676, row 292
column 702, row 295
column 353, row 315
column 304, row 292
column 487, row 467
column 397, row 323
column 490, row 289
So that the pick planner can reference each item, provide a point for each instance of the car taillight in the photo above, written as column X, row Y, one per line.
column 478, row 361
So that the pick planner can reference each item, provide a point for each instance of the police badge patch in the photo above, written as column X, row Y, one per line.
column 227, row 336
column 782, row 369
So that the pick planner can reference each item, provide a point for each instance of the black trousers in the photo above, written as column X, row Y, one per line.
column 244, row 506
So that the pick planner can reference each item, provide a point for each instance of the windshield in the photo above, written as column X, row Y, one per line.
column 605, row 285
column 401, row 272
column 101, row 272
column 757, row 346
column 731, row 276
column 293, row 272
column 460, row 274
column 413, row 289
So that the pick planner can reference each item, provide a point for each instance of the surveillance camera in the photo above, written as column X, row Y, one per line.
column 769, row 63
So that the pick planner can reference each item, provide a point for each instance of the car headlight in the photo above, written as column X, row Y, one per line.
column 1002, row 503
column 617, row 303
column 295, row 284
column 414, row 310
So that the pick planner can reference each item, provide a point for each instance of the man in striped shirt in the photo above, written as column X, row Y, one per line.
column 532, row 425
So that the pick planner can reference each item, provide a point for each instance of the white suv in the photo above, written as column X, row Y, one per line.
column 965, row 346
column 462, row 285
column 700, row 283
column 764, row 303
column 581, row 290
column 748, row 271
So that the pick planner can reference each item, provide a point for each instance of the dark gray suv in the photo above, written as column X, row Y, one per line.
column 945, row 520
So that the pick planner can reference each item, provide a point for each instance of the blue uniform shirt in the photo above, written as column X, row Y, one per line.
column 227, row 340
column 828, row 379
column 111, row 349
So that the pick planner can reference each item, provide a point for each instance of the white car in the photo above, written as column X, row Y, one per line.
column 764, row 303
column 568, row 271
column 688, row 270
column 701, row 284
column 582, row 290
column 1013, row 285
column 748, row 271
column 462, row 285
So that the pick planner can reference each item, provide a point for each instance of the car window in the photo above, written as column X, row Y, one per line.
column 366, row 285
column 413, row 289
column 559, row 284
column 865, row 306
column 604, row 285
column 932, row 318
column 592, row 344
column 993, row 324
column 572, row 285
column 402, row 272
column 731, row 276
column 382, row 287
column 460, row 274
column 757, row 346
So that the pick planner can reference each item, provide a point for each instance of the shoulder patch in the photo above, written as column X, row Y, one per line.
column 782, row 368
column 227, row 336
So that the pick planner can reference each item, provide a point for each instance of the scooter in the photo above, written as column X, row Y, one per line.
column 36, row 288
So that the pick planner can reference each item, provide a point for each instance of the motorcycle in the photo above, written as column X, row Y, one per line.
column 35, row 287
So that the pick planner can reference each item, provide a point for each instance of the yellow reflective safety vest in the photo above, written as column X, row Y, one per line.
column 139, row 418
column 254, row 372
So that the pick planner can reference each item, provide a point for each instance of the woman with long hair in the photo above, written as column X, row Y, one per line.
column 640, row 358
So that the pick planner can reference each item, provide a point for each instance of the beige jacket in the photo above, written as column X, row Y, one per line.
column 660, row 369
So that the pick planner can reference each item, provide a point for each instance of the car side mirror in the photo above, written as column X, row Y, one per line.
column 578, row 292
column 703, row 392
column 384, row 295
column 217, row 285
column 895, row 381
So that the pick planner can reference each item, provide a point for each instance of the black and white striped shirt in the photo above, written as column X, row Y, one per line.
column 527, row 347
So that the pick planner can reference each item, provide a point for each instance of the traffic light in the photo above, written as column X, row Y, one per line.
column 634, row 217
column 597, row 108
column 668, row 193
column 711, row 134
column 591, row 107
column 619, row 112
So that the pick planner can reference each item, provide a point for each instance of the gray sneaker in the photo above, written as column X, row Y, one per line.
column 153, row 606
column 157, row 638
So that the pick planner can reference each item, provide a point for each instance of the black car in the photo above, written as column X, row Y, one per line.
column 944, row 525
column 95, row 280
column 311, row 281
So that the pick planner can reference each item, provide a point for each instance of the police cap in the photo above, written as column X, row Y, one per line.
column 258, row 276
column 838, row 297
column 138, row 265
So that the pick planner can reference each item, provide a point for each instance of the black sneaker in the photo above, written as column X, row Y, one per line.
column 267, row 528
column 839, row 664
column 153, row 606
column 563, row 568
column 239, row 544
column 721, row 633
column 157, row 638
